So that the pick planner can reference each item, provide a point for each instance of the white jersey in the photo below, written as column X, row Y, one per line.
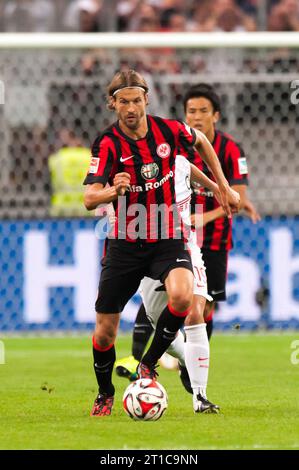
column 183, row 187
column 155, row 302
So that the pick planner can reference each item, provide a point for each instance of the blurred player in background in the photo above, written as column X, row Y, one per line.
column 191, row 349
column 136, row 155
column 68, row 168
column 202, row 111
column 193, row 354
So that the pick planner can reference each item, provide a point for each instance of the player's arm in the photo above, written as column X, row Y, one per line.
column 199, row 177
column 207, row 152
column 218, row 213
column 251, row 211
column 96, row 194
column 100, row 172
column 237, row 174
column 209, row 156
column 200, row 220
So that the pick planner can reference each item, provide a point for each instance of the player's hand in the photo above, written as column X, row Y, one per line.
column 224, row 194
column 251, row 211
column 121, row 182
column 217, row 195
column 234, row 200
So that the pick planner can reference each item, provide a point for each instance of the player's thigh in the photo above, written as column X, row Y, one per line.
column 115, row 292
column 123, row 268
column 169, row 255
column 154, row 302
column 200, row 284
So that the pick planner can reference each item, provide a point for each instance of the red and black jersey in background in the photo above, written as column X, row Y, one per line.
column 217, row 235
column 151, row 163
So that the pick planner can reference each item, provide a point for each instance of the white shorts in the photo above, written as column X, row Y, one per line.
column 154, row 302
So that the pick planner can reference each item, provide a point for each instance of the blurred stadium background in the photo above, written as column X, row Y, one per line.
column 52, row 95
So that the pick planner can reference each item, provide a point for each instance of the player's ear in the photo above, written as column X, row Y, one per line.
column 216, row 117
column 146, row 98
column 111, row 103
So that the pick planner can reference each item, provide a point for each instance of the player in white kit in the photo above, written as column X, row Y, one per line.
column 193, row 351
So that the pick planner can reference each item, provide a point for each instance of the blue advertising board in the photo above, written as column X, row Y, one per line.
column 50, row 269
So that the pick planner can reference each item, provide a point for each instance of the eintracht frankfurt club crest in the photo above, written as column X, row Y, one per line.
column 163, row 150
column 149, row 171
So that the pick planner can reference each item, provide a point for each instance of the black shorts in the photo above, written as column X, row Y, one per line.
column 216, row 271
column 126, row 264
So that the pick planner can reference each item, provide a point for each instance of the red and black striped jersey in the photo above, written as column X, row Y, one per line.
column 217, row 235
column 150, row 161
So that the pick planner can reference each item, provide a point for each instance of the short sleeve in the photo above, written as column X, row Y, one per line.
column 101, row 162
column 236, row 165
column 186, row 134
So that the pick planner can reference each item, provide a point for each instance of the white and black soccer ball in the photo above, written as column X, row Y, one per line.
column 145, row 400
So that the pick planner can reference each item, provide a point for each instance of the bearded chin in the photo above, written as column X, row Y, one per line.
column 133, row 125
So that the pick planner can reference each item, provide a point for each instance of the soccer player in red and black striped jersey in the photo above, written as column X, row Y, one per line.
column 202, row 112
column 136, row 156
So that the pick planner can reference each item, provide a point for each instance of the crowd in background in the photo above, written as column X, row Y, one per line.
column 148, row 15
column 65, row 92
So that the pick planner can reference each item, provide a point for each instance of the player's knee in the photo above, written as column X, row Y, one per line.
column 180, row 301
column 104, row 335
column 103, row 340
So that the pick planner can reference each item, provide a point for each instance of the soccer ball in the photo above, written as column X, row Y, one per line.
column 145, row 400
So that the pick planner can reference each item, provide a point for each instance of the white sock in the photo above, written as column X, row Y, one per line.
column 176, row 349
column 197, row 357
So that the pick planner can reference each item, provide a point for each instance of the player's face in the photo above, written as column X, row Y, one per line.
column 130, row 106
column 200, row 114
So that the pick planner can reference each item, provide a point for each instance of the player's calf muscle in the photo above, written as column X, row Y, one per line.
column 208, row 308
column 195, row 316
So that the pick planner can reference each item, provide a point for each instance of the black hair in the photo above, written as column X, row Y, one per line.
column 203, row 90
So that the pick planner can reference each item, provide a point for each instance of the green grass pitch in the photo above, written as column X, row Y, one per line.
column 47, row 388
